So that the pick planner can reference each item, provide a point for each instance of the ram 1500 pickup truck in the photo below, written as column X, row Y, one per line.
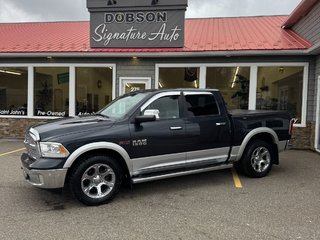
column 148, row 135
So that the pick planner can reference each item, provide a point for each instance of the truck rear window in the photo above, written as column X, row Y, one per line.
column 201, row 105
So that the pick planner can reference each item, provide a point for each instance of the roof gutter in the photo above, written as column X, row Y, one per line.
column 161, row 54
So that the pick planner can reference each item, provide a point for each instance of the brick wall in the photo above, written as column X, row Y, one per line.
column 15, row 127
column 303, row 137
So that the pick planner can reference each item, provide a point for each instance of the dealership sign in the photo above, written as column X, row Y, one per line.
column 136, row 23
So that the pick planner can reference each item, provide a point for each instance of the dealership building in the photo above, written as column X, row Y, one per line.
column 50, row 70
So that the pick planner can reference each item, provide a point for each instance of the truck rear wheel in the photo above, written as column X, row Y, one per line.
column 257, row 159
column 96, row 180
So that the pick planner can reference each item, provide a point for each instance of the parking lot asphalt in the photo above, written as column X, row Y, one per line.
column 283, row 205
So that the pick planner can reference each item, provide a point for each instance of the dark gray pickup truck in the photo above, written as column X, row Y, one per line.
column 150, row 135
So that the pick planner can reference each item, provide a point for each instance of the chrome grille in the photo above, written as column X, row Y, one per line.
column 31, row 146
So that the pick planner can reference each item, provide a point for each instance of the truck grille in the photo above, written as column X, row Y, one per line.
column 31, row 146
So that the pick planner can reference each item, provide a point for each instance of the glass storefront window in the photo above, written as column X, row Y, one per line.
column 280, row 88
column 51, row 91
column 233, row 83
column 93, row 89
column 179, row 77
column 13, row 90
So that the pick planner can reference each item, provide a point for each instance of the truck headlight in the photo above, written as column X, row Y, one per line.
column 53, row 150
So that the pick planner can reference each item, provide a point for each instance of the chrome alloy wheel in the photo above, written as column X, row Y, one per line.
column 260, row 159
column 98, row 181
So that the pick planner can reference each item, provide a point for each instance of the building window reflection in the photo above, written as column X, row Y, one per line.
column 280, row 88
column 51, row 91
column 187, row 77
column 13, row 90
column 93, row 89
column 233, row 83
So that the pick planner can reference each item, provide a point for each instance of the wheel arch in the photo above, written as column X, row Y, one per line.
column 104, row 148
column 265, row 134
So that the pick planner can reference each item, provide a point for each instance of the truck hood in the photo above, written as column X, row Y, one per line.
column 57, row 128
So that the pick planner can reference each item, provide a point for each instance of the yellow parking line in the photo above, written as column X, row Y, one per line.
column 236, row 179
column 18, row 150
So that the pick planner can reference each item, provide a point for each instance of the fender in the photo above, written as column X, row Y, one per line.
column 99, row 145
column 253, row 133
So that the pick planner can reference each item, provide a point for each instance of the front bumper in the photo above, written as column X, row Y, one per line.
column 42, row 178
column 53, row 178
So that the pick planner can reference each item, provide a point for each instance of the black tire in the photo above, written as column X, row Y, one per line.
column 96, row 180
column 257, row 159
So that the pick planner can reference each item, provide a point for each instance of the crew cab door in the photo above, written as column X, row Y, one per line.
column 207, row 129
column 159, row 145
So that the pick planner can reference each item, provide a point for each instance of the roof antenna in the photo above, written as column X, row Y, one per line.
column 112, row 2
column 154, row 2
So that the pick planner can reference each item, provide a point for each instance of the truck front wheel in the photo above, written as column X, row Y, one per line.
column 96, row 180
column 257, row 159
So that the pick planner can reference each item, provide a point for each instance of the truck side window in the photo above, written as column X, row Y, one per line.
column 167, row 106
column 201, row 105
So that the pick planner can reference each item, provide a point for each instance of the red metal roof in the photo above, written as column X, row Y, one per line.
column 201, row 35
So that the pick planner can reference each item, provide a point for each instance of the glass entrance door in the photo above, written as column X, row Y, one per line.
column 129, row 84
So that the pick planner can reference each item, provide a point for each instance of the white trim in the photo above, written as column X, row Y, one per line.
column 317, row 134
column 142, row 80
column 252, row 91
column 304, row 96
column 99, row 145
column 179, row 65
column 27, row 117
column 30, row 92
column 156, row 77
column 234, row 64
column 163, row 54
column 253, row 88
column 188, row 93
column 72, row 91
column 253, row 133
column 157, row 96
column 203, row 77
column 114, row 80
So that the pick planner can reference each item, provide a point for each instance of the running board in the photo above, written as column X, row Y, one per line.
column 149, row 178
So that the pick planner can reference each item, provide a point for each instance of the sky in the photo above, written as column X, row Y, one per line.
column 75, row 10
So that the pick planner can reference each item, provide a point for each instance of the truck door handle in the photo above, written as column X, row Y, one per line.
column 175, row 128
column 221, row 124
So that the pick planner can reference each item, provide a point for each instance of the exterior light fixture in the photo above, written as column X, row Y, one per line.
column 281, row 69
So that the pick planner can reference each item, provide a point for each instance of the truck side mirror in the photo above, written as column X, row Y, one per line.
column 149, row 115
column 144, row 118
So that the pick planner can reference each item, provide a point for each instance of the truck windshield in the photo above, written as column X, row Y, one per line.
column 122, row 106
